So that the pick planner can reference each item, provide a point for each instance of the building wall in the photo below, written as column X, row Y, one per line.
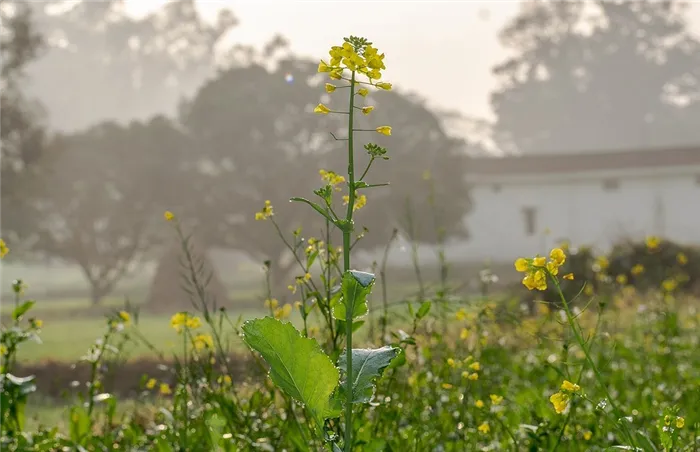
column 583, row 208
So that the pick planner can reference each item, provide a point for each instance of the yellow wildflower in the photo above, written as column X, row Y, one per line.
column 384, row 130
column 3, row 350
column 168, row 215
column 522, row 265
column 283, row 312
column 569, row 276
column 484, row 428
column 360, row 201
column 330, row 87
column 539, row 261
column 560, row 401
column 473, row 376
column 3, row 249
column 266, row 211
column 553, row 268
column 450, row 362
column 557, row 256
column 363, row 92
column 652, row 242
column 165, row 389
column 271, row 303
column 681, row 258
column 183, row 320
column 367, row 110
column 125, row 316
column 202, row 341
column 151, row 383
column 680, row 422
column 193, row 323
column 669, row 285
column 637, row 270
column 587, row 435
column 37, row 323
column 569, row 386
column 322, row 109
column 496, row 399
column 479, row 404
column 307, row 277
column 603, row 262
column 464, row 334
column 323, row 67
column 383, row 85
column 475, row 366
column 621, row 279
column 446, row 386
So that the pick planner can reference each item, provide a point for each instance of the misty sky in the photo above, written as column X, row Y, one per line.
column 443, row 49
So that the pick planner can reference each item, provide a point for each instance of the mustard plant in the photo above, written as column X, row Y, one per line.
column 298, row 366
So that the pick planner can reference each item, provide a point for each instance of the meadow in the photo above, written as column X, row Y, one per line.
column 584, row 351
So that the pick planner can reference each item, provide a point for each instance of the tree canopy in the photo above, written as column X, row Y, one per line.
column 589, row 75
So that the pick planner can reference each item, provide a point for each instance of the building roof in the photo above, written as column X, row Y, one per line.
column 584, row 162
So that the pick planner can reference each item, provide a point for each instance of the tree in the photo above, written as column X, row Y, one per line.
column 598, row 74
column 102, row 199
column 21, row 133
column 112, row 66
column 258, row 139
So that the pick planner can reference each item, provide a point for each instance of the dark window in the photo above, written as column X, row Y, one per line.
column 530, row 220
column 611, row 184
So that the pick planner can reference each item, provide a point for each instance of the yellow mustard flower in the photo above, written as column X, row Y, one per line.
column 383, row 85
column 37, row 323
column 473, row 376
column 558, row 256
column 569, row 386
column 569, row 276
column 283, row 312
column 669, row 285
column 446, row 386
column 322, row 109
column 165, row 389
column 367, row 110
column 202, row 341
column 681, row 258
column 484, row 428
column 168, row 215
column 363, row 92
column 384, row 130
column 637, row 270
column 125, row 316
column 3, row 249
column 151, row 383
column 680, row 422
column 464, row 334
column 496, row 399
column 475, row 366
column 479, row 404
column 522, row 265
column 330, row 87
column 588, row 435
column 183, row 320
column 652, row 242
column 450, row 362
column 323, row 67
column 271, row 303
column 560, row 401
column 266, row 212
column 539, row 261
column 603, row 263
column 621, row 279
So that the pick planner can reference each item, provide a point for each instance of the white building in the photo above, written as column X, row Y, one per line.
column 526, row 204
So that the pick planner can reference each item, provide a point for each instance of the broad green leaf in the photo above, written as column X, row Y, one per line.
column 423, row 310
column 298, row 366
column 354, row 288
column 22, row 309
column 367, row 365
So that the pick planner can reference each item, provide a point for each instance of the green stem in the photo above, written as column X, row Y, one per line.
column 347, row 230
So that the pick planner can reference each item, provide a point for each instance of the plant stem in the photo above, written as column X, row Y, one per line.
column 347, row 230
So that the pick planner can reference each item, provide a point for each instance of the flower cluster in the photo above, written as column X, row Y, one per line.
column 183, row 320
column 266, row 211
column 561, row 399
column 3, row 249
column 536, row 269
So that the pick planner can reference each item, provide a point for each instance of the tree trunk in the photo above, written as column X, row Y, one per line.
column 97, row 293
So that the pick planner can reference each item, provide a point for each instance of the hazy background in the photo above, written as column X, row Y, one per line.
column 116, row 111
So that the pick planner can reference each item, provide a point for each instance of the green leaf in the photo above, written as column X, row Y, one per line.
column 423, row 310
column 367, row 365
column 316, row 207
column 354, row 288
column 298, row 366
column 22, row 309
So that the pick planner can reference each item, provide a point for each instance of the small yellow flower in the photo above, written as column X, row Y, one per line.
column 165, row 389
column 367, row 110
column 383, row 85
column 266, row 212
column 539, row 261
column 621, row 279
column 569, row 386
column 450, row 362
column 569, row 276
column 522, row 265
column 669, row 285
column 680, row 422
column 446, row 386
column 558, row 256
column 322, row 109
column 588, row 435
column 307, row 277
column 637, row 270
column 553, row 268
column 323, row 67
column 3, row 350
column 384, row 130
column 473, row 376
column 464, row 334
column 193, row 323
column 479, row 404
column 37, row 323
column 484, row 428
column 330, row 87
column 681, row 258
column 475, row 366
column 271, row 303
column 202, row 341
column 363, row 92
column 283, row 312
column 3, row 249
column 652, row 242
column 560, row 401
column 603, row 262
column 125, row 316
column 336, row 74
column 496, row 399
column 292, row 289
column 151, row 383
column 183, row 320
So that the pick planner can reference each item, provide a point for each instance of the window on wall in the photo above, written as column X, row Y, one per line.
column 530, row 219
column 611, row 184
